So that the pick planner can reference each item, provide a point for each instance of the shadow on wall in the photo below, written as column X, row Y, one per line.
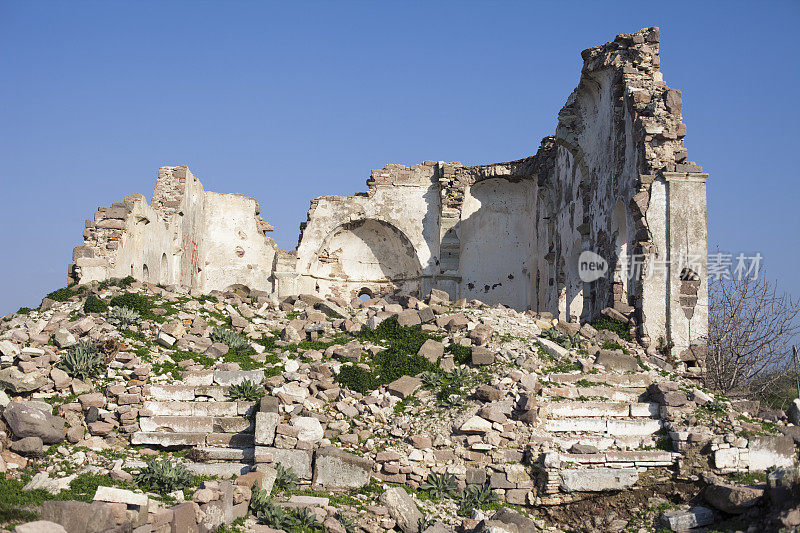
column 367, row 256
column 496, row 239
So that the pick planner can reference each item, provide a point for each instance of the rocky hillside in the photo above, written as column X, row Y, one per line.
column 135, row 407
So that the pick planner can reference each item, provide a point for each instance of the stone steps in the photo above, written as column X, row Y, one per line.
column 171, row 439
column 195, row 408
column 604, row 442
column 628, row 394
column 639, row 380
column 584, row 409
column 196, row 424
column 597, row 425
column 622, row 458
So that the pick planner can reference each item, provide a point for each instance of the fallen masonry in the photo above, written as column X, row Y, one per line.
column 423, row 407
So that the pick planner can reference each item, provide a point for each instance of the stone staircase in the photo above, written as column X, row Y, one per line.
column 599, row 431
column 200, row 414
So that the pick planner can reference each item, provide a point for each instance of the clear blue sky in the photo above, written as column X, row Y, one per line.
column 292, row 100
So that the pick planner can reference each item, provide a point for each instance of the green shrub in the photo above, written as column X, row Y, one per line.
column 612, row 324
column 135, row 301
column 24, row 310
column 230, row 338
column 357, row 379
column 164, row 477
column 82, row 361
column 93, row 304
column 246, row 390
column 562, row 339
column 122, row 317
column 462, row 355
column 611, row 345
column 62, row 295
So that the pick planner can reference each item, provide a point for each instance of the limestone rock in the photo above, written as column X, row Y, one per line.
column 14, row 380
column 405, row 386
column 403, row 509
column 310, row 429
column 731, row 498
column 685, row 520
column 476, row 424
column 26, row 420
column 335, row 469
column 598, row 479
column 40, row 526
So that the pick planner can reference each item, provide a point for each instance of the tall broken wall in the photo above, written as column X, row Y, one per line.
column 187, row 236
column 613, row 180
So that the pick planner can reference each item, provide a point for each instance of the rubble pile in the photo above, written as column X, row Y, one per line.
column 128, row 406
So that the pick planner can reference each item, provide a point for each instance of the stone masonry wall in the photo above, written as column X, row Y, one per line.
column 613, row 180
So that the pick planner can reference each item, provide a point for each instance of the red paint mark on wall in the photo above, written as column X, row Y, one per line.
column 190, row 261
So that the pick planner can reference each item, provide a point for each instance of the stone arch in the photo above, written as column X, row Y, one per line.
column 366, row 254
column 145, row 272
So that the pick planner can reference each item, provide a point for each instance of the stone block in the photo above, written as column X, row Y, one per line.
column 80, row 517
column 236, row 377
column 335, row 469
column 598, row 479
column 482, row 356
column 402, row 509
column 431, row 350
column 404, row 386
column 40, row 526
column 265, row 428
column 686, row 520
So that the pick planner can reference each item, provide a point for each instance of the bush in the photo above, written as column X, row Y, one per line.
column 122, row 317
column 164, row 477
column 62, row 295
column 462, row 355
column 612, row 324
column 93, row 304
column 24, row 310
column 82, row 361
column 246, row 390
column 137, row 302
column 357, row 379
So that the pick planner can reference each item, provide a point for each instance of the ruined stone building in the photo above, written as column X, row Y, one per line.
column 614, row 180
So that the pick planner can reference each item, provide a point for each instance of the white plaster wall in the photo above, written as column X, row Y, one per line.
column 655, row 285
column 233, row 250
column 497, row 234
column 144, row 241
column 412, row 210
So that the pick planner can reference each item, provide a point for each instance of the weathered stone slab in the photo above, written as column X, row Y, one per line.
column 236, row 377
column 266, row 423
column 598, row 479
column 335, row 469
column 177, row 424
column 168, row 440
column 685, row 520
column 297, row 460
column 404, row 386
column 587, row 409
column 403, row 509
column 768, row 451
column 172, row 392
column 80, row 517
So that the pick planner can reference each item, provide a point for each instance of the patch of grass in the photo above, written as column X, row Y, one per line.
column 398, row 359
column 564, row 367
column 617, row 326
column 748, row 478
column 18, row 505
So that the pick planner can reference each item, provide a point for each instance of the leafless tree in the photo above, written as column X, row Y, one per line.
column 751, row 330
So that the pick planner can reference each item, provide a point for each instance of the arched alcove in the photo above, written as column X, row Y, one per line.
column 366, row 254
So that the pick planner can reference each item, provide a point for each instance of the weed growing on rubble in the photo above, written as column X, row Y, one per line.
column 82, row 361
column 64, row 294
column 398, row 359
column 286, row 479
column 462, row 355
column 440, row 485
column 562, row 339
column 164, row 477
column 122, row 317
column 475, row 497
column 246, row 390
column 234, row 341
